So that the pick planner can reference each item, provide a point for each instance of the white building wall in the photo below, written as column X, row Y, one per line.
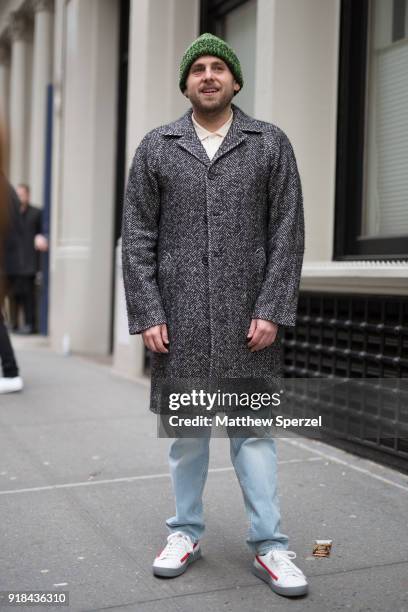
column 84, row 174
column 296, row 88
column 20, row 96
column 42, row 60
column 305, row 106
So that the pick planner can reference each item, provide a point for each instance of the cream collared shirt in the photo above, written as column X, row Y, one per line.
column 212, row 140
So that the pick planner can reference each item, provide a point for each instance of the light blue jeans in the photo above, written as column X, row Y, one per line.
column 255, row 464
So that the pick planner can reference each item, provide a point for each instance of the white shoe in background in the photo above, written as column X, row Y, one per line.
column 11, row 385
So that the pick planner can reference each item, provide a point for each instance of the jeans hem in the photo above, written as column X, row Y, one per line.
column 194, row 539
column 277, row 547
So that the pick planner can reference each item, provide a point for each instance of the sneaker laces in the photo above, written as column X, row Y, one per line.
column 178, row 544
column 286, row 567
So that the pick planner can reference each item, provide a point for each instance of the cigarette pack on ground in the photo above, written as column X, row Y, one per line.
column 322, row 548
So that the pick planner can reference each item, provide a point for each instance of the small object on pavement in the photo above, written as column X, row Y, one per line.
column 322, row 548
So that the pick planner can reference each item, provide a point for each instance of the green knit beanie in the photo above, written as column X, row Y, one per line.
column 208, row 44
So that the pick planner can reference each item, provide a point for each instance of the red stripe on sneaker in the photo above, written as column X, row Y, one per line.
column 185, row 557
column 267, row 568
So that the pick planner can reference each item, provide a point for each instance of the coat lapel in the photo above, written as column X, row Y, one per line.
column 233, row 138
column 241, row 125
column 189, row 141
column 192, row 144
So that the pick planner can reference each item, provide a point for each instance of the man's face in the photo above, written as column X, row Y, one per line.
column 23, row 194
column 210, row 84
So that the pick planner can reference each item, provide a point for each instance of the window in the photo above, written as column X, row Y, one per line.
column 372, row 138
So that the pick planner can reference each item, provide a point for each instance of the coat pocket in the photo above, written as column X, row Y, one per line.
column 165, row 261
column 255, row 276
column 259, row 261
column 164, row 266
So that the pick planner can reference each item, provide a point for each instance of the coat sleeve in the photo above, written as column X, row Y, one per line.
column 278, row 297
column 38, row 221
column 140, row 225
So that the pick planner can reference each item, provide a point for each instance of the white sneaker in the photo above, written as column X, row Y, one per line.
column 10, row 385
column 277, row 569
column 174, row 559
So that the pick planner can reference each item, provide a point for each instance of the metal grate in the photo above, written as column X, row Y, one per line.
column 353, row 336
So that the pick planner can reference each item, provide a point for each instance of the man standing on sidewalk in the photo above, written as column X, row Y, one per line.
column 213, row 242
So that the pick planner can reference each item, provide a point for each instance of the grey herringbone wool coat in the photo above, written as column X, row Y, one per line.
column 209, row 245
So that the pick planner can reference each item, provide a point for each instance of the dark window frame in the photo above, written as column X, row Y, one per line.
column 351, row 118
column 212, row 13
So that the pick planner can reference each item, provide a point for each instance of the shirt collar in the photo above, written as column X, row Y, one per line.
column 204, row 133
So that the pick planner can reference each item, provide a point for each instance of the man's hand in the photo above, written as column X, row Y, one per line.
column 261, row 334
column 155, row 337
column 40, row 243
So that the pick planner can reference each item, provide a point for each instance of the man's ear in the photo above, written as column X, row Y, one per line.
column 237, row 87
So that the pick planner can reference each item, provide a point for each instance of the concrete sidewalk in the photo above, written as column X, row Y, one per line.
column 85, row 491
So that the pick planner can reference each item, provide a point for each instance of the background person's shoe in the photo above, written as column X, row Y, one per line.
column 277, row 570
column 177, row 555
column 11, row 385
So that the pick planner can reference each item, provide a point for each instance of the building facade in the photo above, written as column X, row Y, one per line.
column 333, row 74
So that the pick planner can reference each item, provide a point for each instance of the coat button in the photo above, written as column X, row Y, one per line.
column 211, row 175
column 205, row 260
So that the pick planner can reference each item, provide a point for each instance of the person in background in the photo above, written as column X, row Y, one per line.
column 23, row 284
column 11, row 261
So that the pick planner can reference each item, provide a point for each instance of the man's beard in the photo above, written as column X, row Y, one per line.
column 212, row 108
